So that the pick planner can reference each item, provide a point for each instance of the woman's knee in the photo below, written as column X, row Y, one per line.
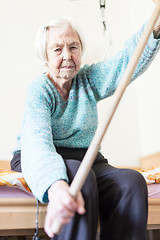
column 90, row 195
column 134, row 182
column 16, row 162
column 90, row 184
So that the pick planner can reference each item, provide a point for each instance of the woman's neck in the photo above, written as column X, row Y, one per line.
column 62, row 86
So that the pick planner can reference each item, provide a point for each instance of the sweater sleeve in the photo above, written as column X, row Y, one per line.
column 41, row 164
column 105, row 76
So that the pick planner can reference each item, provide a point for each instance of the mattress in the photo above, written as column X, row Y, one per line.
column 12, row 192
column 154, row 190
column 6, row 191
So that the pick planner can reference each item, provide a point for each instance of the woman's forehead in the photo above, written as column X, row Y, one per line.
column 62, row 33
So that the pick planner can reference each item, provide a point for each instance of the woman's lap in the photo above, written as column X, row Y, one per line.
column 117, row 192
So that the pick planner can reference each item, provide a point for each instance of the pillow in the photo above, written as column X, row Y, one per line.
column 151, row 175
column 13, row 179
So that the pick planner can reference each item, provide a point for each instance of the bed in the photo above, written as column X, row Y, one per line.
column 146, row 162
column 18, row 210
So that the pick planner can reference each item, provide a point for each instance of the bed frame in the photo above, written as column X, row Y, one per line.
column 146, row 162
column 18, row 215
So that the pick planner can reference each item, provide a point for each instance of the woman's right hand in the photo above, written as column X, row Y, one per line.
column 62, row 206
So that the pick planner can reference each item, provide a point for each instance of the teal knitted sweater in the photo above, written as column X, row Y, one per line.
column 49, row 121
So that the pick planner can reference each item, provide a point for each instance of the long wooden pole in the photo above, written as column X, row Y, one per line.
column 92, row 151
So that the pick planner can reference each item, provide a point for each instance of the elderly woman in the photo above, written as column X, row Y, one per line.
column 59, row 123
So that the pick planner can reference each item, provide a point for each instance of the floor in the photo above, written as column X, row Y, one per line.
column 151, row 235
column 25, row 238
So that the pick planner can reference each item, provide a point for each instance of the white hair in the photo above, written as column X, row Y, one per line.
column 41, row 37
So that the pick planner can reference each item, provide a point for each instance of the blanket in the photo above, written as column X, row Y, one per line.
column 16, row 179
column 13, row 179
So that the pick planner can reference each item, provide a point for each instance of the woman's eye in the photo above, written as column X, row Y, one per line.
column 73, row 48
column 57, row 50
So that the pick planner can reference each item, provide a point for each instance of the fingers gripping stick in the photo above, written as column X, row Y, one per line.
column 91, row 153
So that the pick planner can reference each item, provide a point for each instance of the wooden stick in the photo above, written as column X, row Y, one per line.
column 92, row 151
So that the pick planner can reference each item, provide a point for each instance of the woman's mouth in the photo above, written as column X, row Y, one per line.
column 67, row 67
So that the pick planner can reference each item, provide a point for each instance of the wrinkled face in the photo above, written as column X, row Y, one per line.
column 63, row 52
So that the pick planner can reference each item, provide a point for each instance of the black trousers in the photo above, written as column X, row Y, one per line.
column 118, row 197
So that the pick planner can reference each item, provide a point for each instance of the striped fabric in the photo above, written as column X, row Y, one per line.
column 13, row 179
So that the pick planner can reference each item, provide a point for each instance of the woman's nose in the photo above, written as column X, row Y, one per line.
column 66, row 54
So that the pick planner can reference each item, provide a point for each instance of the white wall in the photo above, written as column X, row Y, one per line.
column 148, row 96
column 128, row 137
column 121, row 142
column 19, row 21
column 135, row 130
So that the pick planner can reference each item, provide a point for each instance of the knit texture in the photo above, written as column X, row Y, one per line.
column 49, row 121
